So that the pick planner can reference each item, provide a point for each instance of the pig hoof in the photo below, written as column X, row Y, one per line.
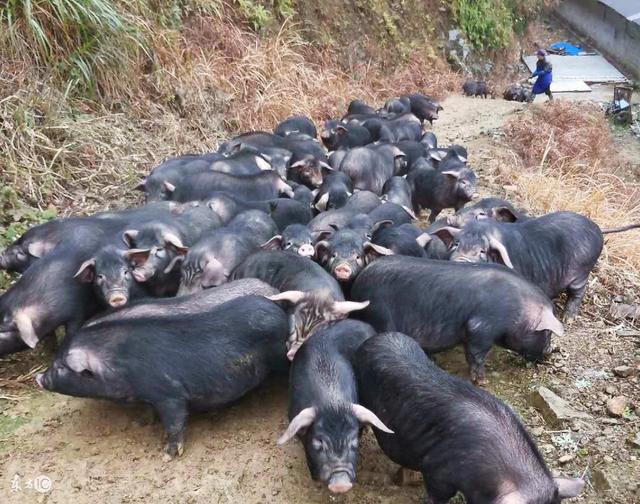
column 481, row 381
column 568, row 319
column 173, row 449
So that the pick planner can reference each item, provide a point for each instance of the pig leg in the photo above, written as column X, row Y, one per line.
column 475, row 354
column 173, row 415
column 434, row 214
column 575, row 293
column 148, row 416
column 437, row 493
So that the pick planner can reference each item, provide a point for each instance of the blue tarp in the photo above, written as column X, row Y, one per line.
column 569, row 49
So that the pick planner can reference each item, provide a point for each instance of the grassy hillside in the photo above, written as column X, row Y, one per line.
column 95, row 93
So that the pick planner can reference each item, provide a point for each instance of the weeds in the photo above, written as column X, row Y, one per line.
column 562, row 157
column 82, row 43
column 491, row 24
column 255, row 14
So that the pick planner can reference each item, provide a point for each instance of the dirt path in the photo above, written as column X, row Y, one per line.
column 92, row 452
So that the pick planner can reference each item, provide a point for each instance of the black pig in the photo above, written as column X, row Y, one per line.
column 323, row 403
column 442, row 304
column 175, row 364
column 460, row 438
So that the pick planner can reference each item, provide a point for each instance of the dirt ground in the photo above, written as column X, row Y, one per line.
column 92, row 452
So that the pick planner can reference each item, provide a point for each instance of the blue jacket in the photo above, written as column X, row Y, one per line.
column 544, row 74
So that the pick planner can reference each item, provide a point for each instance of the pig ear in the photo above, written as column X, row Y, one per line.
column 423, row 239
column 372, row 249
column 175, row 242
column 326, row 166
column 40, row 248
column 25, row 328
column 293, row 297
column 137, row 256
column 320, row 235
column 174, row 262
column 397, row 152
column 346, row 307
column 322, row 249
column 548, row 322
column 129, row 236
column 298, row 164
column 437, row 154
column 274, row 243
column 446, row 234
column 86, row 270
column 410, row 212
column 341, row 130
column 285, row 188
column 321, row 204
column 569, row 487
column 141, row 186
column 366, row 416
column 381, row 225
column 501, row 251
column 263, row 164
column 169, row 187
column 452, row 174
column 302, row 420
column 503, row 214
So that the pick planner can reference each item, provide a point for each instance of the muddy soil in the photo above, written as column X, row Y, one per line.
column 92, row 452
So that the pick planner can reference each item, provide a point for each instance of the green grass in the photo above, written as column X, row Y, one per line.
column 491, row 24
column 85, row 44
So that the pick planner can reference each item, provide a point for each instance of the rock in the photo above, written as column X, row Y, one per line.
column 608, row 459
column 538, row 431
column 622, row 310
column 617, row 405
column 625, row 371
column 610, row 390
column 635, row 442
column 566, row 458
column 600, row 480
column 554, row 409
column 407, row 477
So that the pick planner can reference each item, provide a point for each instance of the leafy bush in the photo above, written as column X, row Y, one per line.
column 15, row 219
column 284, row 8
column 488, row 24
column 255, row 13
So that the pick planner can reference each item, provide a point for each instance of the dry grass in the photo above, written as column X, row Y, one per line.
column 562, row 157
column 210, row 78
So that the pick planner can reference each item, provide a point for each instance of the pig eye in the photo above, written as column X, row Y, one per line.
column 454, row 246
column 288, row 245
column 126, row 273
column 334, row 255
column 354, row 443
column 100, row 278
column 21, row 255
column 317, row 444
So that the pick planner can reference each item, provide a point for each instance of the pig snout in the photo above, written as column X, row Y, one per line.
column 343, row 271
column 339, row 482
column 306, row 250
column 3, row 260
column 40, row 380
column 117, row 299
column 142, row 275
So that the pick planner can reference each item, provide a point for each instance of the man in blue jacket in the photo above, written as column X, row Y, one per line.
column 544, row 74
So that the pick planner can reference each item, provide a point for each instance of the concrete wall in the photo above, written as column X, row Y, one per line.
column 612, row 34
